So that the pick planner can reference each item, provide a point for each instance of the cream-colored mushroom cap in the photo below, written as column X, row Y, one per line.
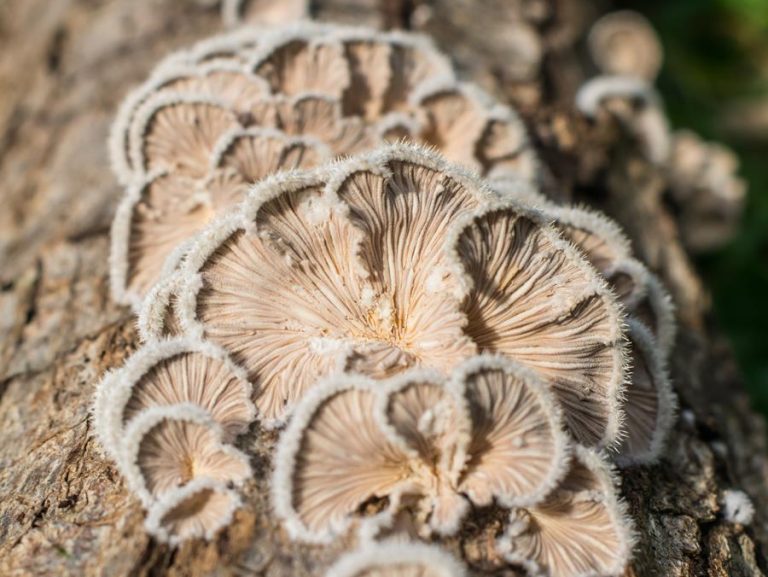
column 581, row 529
column 625, row 43
column 397, row 559
column 167, row 447
column 398, row 259
column 176, row 371
column 197, row 510
column 431, row 447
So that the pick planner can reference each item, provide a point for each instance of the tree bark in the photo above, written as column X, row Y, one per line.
column 64, row 67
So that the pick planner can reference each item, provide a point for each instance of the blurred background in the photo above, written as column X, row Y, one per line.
column 715, row 81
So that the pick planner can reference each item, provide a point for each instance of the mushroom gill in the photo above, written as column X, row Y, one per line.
column 581, row 529
column 397, row 559
column 365, row 265
column 426, row 446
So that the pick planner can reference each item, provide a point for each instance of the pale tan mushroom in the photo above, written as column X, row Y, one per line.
column 625, row 43
column 166, row 447
column 172, row 372
column 397, row 559
column 581, row 529
column 199, row 509
column 492, row 433
column 363, row 274
column 341, row 91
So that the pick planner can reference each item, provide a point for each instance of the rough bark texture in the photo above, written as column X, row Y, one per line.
column 64, row 67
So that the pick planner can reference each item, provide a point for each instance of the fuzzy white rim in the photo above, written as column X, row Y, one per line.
column 394, row 553
column 175, row 497
column 666, row 411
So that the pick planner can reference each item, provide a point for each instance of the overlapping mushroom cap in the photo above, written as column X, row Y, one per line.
column 397, row 559
column 581, row 529
column 212, row 120
column 398, row 259
column 492, row 433
column 168, row 418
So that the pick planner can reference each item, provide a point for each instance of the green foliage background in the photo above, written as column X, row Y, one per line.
column 716, row 55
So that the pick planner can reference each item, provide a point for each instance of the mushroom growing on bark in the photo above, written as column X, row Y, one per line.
column 580, row 530
column 624, row 43
column 397, row 559
column 210, row 122
column 434, row 448
column 398, row 259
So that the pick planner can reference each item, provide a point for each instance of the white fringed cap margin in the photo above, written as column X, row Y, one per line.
column 394, row 558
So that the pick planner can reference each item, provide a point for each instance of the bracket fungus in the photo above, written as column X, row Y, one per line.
column 397, row 559
column 395, row 259
column 426, row 444
column 582, row 529
column 313, row 92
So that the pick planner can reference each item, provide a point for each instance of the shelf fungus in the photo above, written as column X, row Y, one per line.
column 397, row 559
column 428, row 446
column 212, row 121
column 581, row 529
column 397, row 259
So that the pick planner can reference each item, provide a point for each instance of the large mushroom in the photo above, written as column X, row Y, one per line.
column 398, row 259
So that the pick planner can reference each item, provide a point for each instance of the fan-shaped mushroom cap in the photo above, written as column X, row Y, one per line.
column 166, row 447
column 491, row 433
column 171, row 372
column 625, row 43
column 198, row 509
column 342, row 91
column 650, row 403
column 366, row 265
column 656, row 311
column 397, row 559
column 581, row 529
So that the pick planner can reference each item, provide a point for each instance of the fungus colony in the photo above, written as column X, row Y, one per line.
column 428, row 336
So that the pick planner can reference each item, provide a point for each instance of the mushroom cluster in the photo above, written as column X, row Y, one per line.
column 295, row 269
column 228, row 112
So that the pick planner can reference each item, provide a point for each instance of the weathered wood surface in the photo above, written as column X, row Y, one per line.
column 64, row 67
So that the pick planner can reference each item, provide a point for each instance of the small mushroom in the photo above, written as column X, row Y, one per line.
column 624, row 43
column 262, row 12
column 492, row 433
column 166, row 447
column 199, row 509
column 581, row 529
column 167, row 373
column 309, row 276
column 397, row 559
